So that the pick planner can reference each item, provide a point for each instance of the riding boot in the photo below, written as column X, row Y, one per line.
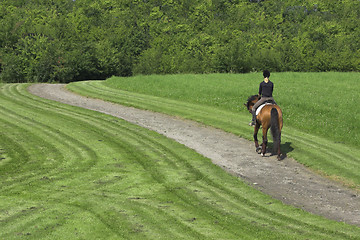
column 253, row 120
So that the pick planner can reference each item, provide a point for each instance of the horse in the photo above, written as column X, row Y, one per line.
column 269, row 116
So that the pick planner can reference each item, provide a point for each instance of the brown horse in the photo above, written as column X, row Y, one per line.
column 269, row 116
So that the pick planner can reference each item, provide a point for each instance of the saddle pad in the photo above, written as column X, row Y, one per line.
column 260, row 107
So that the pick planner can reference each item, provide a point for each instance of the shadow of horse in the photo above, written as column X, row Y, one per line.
column 285, row 149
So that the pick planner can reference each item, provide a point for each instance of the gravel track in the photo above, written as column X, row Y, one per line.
column 285, row 180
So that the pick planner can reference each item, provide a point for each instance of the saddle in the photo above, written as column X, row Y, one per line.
column 269, row 102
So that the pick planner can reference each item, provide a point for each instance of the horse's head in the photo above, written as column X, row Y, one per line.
column 251, row 102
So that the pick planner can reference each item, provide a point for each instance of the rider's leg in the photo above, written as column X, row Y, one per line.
column 253, row 120
column 257, row 104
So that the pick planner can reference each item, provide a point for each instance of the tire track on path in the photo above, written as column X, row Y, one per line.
column 285, row 180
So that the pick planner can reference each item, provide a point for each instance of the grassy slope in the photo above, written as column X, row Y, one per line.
column 70, row 173
column 315, row 133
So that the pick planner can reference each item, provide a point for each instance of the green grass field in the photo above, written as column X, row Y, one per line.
column 319, row 103
column 321, row 125
column 71, row 173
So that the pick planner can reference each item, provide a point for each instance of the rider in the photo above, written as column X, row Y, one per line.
column 265, row 94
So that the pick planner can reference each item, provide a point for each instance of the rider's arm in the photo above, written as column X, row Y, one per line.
column 260, row 90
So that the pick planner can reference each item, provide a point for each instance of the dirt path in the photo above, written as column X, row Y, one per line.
column 285, row 180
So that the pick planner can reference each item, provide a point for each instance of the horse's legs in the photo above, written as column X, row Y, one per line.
column 265, row 140
column 256, row 130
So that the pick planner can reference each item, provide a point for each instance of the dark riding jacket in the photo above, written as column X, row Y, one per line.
column 266, row 89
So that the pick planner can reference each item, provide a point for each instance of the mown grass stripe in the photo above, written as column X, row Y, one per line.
column 177, row 108
column 317, row 155
column 106, row 129
column 255, row 212
column 178, row 227
column 332, row 149
column 49, row 134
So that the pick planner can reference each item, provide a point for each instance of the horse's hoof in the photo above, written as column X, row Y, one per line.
column 263, row 155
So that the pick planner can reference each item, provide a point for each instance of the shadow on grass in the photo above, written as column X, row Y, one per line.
column 285, row 149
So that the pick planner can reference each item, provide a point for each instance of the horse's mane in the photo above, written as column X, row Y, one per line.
column 250, row 99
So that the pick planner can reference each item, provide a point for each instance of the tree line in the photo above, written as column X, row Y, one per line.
column 71, row 40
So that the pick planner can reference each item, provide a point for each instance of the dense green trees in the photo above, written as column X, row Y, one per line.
column 68, row 40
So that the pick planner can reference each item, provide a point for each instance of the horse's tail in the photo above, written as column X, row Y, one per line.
column 275, row 129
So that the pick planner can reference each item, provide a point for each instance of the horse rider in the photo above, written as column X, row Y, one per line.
column 265, row 94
